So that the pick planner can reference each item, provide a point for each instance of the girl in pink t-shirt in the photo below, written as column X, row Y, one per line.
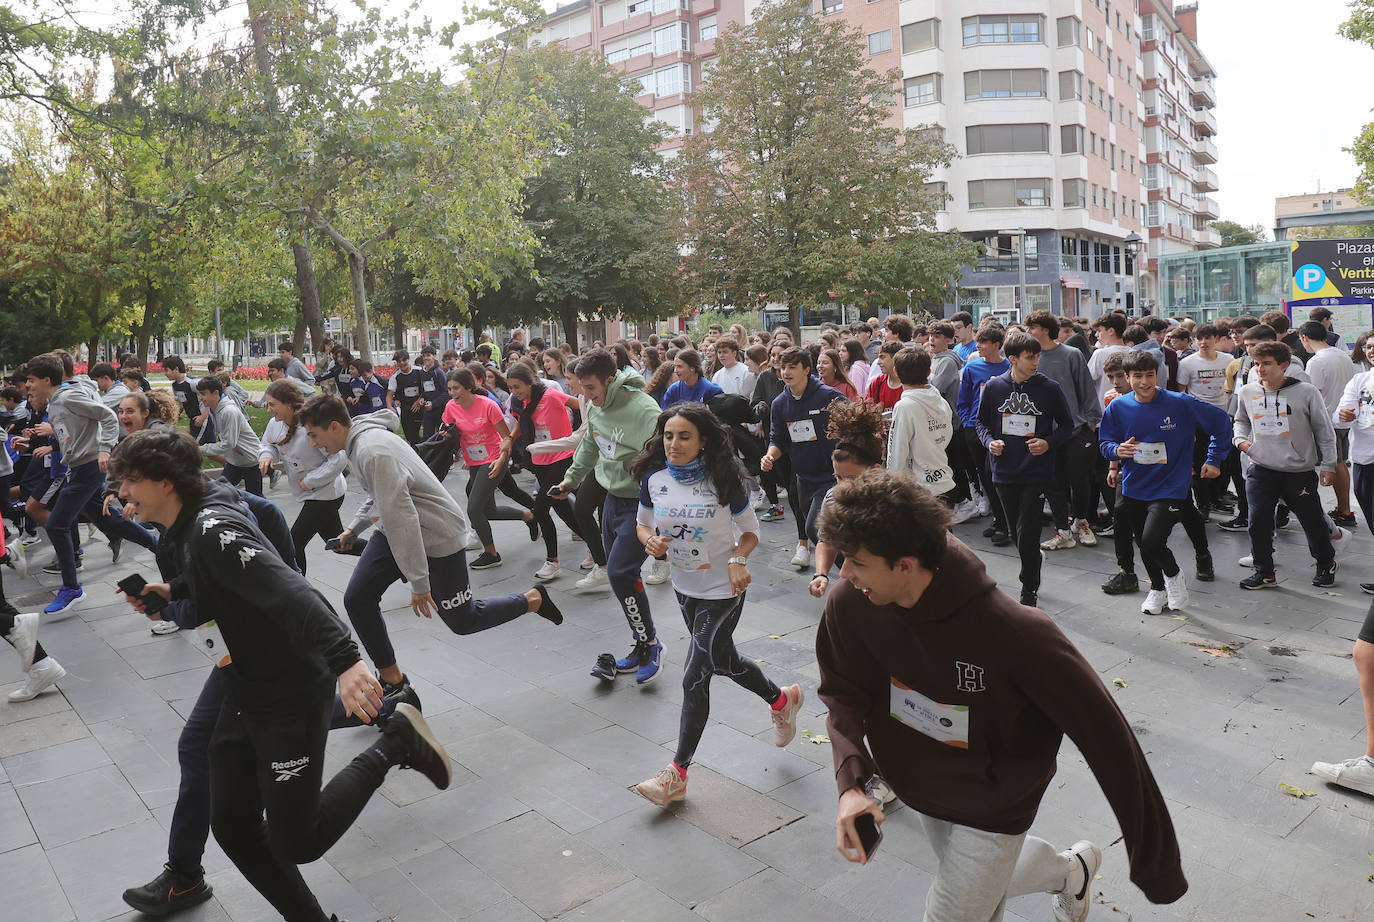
column 484, row 446
column 542, row 413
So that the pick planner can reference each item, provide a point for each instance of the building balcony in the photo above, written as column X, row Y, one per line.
column 1206, row 238
column 1204, row 151
column 1203, row 92
column 1206, row 207
column 1205, row 180
column 1204, row 122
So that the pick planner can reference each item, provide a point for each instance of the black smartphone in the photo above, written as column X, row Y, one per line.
column 332, row 544
column 554, row 492
column 869, row 833
column 133, row 586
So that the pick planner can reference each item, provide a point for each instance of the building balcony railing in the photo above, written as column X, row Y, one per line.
column 1205, row 122
column 1203, row 91
column 1205, row 180
column 1204, row 151
column 1207, row 237
column 1206, row 206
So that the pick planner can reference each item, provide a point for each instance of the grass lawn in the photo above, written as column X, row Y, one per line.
column 257, row 418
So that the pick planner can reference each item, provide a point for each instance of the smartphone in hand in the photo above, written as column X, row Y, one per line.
column 869, row 834
column 332, row 544
column 133, row 586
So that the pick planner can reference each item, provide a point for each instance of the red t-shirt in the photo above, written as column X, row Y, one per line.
column 551, row 422
column 479, row 441
column 879, row 392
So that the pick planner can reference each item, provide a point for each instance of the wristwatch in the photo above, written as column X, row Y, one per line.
column 742, row 561
column 823, row 576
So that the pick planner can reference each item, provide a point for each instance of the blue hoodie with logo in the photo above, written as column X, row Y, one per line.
column 976, row 373
column 799, row 429
column 1170, row 419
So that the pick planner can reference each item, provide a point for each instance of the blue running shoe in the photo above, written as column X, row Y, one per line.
column 650, row 662
column 630, row 661
column 66, row 600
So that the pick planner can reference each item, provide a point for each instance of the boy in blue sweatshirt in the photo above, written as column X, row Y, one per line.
column 987, row 365
column 1023, row 419
column 369, row 390
column 1151, row 431
column 800, row 416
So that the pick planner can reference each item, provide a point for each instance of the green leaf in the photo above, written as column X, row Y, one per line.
column 1119, row 682
column 1295, row 791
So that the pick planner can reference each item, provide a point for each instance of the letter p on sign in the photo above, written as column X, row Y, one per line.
column 1311, row 278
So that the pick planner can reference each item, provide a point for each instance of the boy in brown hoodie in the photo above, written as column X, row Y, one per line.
column 963, row 696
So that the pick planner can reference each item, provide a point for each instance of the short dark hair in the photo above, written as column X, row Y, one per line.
column 46, row 366
column 900, row 326
column 1314, row 330
column 400, row 355
column 427, row 349
column 1115, row 362
column 1045, row 320
column 1154, row 324
column 891, row 348
column 1319, row 314
column 1208, row 329
column 795, row 356
column 886, row 513
column 1139, row 360
column 210, row 383
column 363, row 366
column 1134, row 335
column 942, row 328
column 1018, row 343
column 1277, row 351
column 213, row 365
column 963, row 317
column 912, row 366
column 103, row 370
column 321, row 410
column 286, row 345
column 1114, row 322
column 277, row 365
column 1260, row 332
column 173, row 363
column 1279, row 321
column 597, row 363
column 161, row 454
column 483, row 349
column 992, row 333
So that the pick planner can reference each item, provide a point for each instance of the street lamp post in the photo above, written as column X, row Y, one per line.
column 1021, row 266
column 1132, row 243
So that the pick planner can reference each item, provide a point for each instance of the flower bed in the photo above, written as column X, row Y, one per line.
column 151, row 368
column 259, row 372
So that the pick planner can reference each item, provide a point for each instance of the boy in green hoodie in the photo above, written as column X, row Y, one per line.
column 620, row 419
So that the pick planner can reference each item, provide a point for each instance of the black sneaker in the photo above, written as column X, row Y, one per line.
column 1105, row 531
column 533, row 526
column 1000, row 539
column 1282, row 517
column 1259, row 580
column 169, row 892
column 1326, row 575
column 1121, row 583
column 1205, row 574
column 605, row 667
column 1239, row 523
column 1223, row 507
column 402, row 692
column 116, row 549
column 1345, row 521
column 55, row 568
column 547, row 610
column 423, row 751
column 990, row 531
column 485, row 561
column 1028, row 599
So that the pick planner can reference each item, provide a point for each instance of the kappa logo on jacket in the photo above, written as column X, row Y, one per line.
column 1019, row 402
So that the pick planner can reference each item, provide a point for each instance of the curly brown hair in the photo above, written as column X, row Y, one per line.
column 858, row 430
column 888, row 514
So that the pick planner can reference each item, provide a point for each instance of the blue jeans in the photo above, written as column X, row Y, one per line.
column 448, row 577
column 624, row 556
column 81, row 493
column 1265, row 488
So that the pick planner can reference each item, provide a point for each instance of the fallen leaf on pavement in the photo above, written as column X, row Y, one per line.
column 1293, row 790
column 1119, row 682
column 820, row 738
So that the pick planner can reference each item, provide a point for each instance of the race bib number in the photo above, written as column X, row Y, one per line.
column 1151, row 453
column 1270, row 417
column 412, row 391
column 542, row 435
column 1366, row 416
column 607, row 446
column 428, row 385
column 210, row 641
column 477, row 453
column 944, row 723
column 358, row 391
column 687, row 555
column 803, row 430
column 1018, row 424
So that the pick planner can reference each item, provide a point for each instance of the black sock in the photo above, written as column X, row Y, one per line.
column 546, row 607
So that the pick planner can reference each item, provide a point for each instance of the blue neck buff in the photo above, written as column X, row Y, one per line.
column 690, row 472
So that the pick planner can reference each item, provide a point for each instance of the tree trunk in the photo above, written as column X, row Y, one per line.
column 398, row 329
column 794, row 320
column 152, row 308
column 567, row 315
column 298, row 337
column 357, row 282
column 310, row 294
column 476, row 315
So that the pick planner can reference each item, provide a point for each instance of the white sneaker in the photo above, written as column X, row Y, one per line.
column 1356, row 774
column 30, row 539
column 24, row 637
column 164, row 627
column 654, row 572
column 595, row 578
column 879, row 791
column 1248, row 561
column 965, row 510
column 1342, row 541
column 1176, row 591
column 1154, row 603
column 1072, row 904
column 1084, row 533
column 549, row 570
column 40, row 676
column 1060, row 540
column 472, row 542
column 587, row 563
column 802, row 558
column 984, row 505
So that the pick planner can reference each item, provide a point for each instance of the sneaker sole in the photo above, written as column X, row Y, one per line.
column 675, row 797
column 790, row 710
column 1330, row 778
column 412, row 715
column 487, row 566
column 1260, row 586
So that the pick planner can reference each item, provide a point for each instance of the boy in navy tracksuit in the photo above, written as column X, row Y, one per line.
column 368, row 390
column 1152, row 431
column 978, row 371
column 799, row 417
column 1023, row 418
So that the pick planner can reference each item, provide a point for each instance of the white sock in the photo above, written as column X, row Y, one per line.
column 45, row 662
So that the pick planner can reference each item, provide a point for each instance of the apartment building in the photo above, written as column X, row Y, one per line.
column 1179, row 94
column 1045, row 101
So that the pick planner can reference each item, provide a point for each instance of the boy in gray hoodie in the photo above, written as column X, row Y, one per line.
column 1283, row 426
column 237, row 446
column 419, row 537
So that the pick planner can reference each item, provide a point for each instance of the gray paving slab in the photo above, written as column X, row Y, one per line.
column 75, row 807
column 770, row 895
column 27, row 879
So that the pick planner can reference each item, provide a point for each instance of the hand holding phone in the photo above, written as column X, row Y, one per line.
column 133, row 587
column 869, row 834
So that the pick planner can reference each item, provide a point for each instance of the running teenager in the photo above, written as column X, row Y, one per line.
column 294, row 367
column 620, row 419
column 733, row 376
column 1151, row 431
column 978, row 371
column 41, row 671
column 766, row 388
column 367, row 391
column 404, row 395
column 174, row 367
column 315, row 477
column 543, row 414
column 961, row 699
column 1203, row 374
column 694, row 507
column 920, row 432
column 236, row 445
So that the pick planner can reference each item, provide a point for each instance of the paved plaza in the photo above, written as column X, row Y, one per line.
column 1229, row 701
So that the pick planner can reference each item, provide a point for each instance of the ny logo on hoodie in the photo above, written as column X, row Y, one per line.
column 1019, row 402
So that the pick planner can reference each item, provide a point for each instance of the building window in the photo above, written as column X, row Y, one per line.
column 635, row 7
column 1069, row 27
column 671, row 80
column 1004, row 84
column 1075, row 193
column 1008, row 139
column 646, row 83
column 1152, row 176
column 1068, row 246
column 1003, row 253
column 1071, row 139
column 1152, row 214
column 1070, row 84
column 922, row 90
column 706, row 28
column 880, row 42
column 940, row 192
column 918, row 36
column 831, row 6
column 672, row 38
column 1002, row 30
column 1008, row 193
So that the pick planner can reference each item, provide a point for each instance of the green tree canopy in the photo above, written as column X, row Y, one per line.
column 1233, row 234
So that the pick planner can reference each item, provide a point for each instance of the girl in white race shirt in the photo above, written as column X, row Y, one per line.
column 694, row 507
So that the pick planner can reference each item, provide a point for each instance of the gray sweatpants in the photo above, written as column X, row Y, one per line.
column 980, row 870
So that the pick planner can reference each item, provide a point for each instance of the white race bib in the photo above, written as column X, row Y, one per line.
column 1150, row 453
column 1270, row 418
column 688, row 555
column 944, row 723
column 542, row 435
column 608, row 446
column 210, row 641
column 477, row 453
column 412, row 392
column 1018, row 424
column 376, row 401
column 358, row 391
column 802, row 430
column 429, row 384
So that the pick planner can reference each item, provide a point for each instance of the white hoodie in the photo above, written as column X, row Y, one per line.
column 920, row 431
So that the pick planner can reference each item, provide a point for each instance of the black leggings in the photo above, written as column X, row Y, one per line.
column 249, row 476
column 591, row 496
column 317, row 517
column 711, row 624
column 273, row 762
column 551, row 475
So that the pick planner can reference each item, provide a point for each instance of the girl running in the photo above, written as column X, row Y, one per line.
column 541, row 412
column 830, row 369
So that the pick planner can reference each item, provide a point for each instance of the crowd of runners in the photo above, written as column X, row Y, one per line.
column 661, row 458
